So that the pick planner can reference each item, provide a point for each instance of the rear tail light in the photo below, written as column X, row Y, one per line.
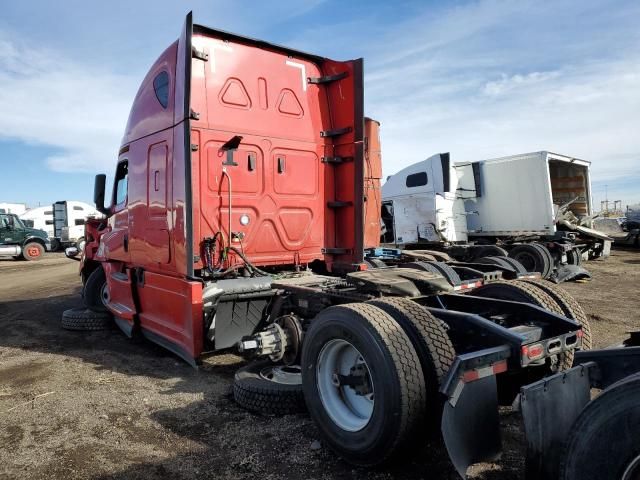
column 533, row 352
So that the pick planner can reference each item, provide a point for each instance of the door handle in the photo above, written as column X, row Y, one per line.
column 125, row 243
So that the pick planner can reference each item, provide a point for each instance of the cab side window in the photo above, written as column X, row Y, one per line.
column 120, row 184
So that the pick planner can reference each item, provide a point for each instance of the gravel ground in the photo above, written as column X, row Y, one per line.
column 97, row 405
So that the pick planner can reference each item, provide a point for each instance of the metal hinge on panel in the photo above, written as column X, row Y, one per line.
column 335, row 251
column 328, row 78
column 336, row 132
column 339, row 204
column 336, row 160
column 194, row 147
column 199, row 54
column 196, row 258
column 193, row 115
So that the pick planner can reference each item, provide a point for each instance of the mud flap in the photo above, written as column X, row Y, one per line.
column 566, row 273
column 471, row 424
column 549, row 409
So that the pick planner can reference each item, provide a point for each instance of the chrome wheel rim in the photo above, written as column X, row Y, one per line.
column 104, row 294
column 282, row 374
column 349, row 407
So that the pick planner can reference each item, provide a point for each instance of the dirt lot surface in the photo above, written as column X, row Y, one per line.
column 97, row 405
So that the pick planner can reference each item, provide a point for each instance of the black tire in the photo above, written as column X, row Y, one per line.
column 498, row 261
column 574, row 257
column 518, row 292
column 94, row 293
column 33, row 251
column 448, row 273
column 509, row 384
column 254, row 391
column 85, row 320
column 570, row 309
column 532, row 258
column 489, row 251
column 394, row 371
column 605, row 439
column 55, row 244
column 545, row 251
column 433, row 346
column 441, row 268
column 516, row 265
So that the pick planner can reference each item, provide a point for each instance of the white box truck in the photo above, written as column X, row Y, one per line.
column 534, row 207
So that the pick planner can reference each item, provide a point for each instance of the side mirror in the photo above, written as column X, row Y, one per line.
column 98, row 193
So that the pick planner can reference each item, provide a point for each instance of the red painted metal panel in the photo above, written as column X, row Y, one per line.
column 147, row 114
column 121, row 302
column 372, row 176
column 277, row 184
column 171, row 308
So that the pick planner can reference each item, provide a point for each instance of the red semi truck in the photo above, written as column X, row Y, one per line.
column 245, row 213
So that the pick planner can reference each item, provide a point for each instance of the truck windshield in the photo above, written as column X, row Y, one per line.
column 18, row 223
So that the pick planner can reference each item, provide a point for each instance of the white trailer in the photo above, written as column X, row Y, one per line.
column 15, row 208
column 68, row 222
column 63, row 221
column 40, row 218
column 521, row 194
column 535, row 207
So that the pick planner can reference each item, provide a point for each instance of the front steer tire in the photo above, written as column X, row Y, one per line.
column 33, row 251
column 258, row 394
column 85, row 320
column 397, row 388
column 94, row 291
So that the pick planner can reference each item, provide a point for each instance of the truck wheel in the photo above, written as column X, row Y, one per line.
column 363, row 383
column 269, row 389
column 604, row 443
column 570, row 309
column 504, row 262
column 55, row 244
column 95, row 293
column 431, row 342
column 85, row 320
column 545, row 251
column 489, row 251
column 532, row 258
column 574, row 257
column 440, row 268
column 517, row 266
column 32, row 251
column 518, row 292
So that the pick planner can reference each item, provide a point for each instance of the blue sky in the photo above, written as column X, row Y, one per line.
column 480, row 79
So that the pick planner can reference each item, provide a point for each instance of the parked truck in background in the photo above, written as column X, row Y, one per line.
column 533, row 207
column 20, row 241
column 239, row 219
column 63, row 221
column 17, row 208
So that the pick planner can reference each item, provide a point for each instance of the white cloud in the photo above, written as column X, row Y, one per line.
column 491, row 78
column 78, row 108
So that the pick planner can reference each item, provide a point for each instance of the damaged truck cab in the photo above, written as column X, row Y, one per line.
column 246, row 192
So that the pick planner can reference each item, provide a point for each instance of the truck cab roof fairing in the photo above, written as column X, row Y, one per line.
column 147, row 114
